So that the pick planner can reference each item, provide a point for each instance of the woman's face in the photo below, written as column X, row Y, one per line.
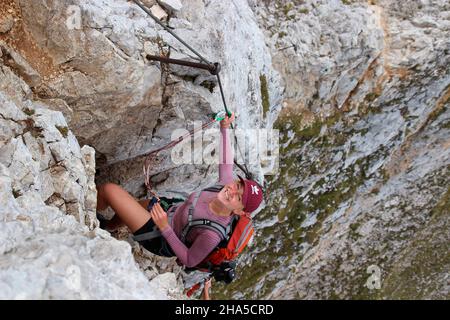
column 231, row 196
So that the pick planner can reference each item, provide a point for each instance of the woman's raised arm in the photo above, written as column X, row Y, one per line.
column 226, row 159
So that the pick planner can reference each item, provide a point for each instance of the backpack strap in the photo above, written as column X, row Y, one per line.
column 212, row 225
column 155, row 233
column 247, row 233
column 215, row 188
column 190, row 217
column 221, row 230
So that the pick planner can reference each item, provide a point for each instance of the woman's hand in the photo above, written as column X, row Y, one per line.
column 205, row 294
column 225, row 123
column 208, row 284
column 159, row 216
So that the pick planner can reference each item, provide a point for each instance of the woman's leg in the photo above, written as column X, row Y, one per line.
column 116, row 222
column 128, row 210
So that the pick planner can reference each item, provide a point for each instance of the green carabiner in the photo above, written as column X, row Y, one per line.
column 219, row 116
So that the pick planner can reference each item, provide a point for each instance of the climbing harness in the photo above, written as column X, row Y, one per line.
column 214, row 69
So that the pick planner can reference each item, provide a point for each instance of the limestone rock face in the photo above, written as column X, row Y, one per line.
column 173, row 5
column 42, row 155
column 6, row 23
column 362, row 195
column 75, row 73
column 50, row 243
column 358, row 89
column 93, row 67
column 97, row 69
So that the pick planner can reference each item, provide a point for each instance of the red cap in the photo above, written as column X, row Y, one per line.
column 252, row 196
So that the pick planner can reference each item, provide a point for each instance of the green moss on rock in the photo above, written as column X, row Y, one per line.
column 264, row 94
column 63, row 130
column 304, row 11
column 210, row 85
column 370, row 97
column 29, row 112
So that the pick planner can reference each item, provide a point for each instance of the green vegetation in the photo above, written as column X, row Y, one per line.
column 304, row 11
column 29, row 112
column 291, row 17
column 446, row 125
column 306, row 134
column 249, row 274
column 281, row 241
column 296, row 208
column 370, row 97
column 63, row 130
column 188, row 78
column 210, row 85
column 385, row 175
column 443, row 206
column 354, row 230
column 264, row 94
column 426, row 255
column 354, row 226
column 282, row 34
column 287, row 8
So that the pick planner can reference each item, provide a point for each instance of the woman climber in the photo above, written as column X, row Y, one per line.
column 230, row 197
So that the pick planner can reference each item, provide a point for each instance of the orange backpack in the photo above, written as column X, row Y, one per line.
column 241, row 234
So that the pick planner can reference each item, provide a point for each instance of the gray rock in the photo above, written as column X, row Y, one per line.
column 363, row 176
column 50, row 244
column 377, row 177
column 171, row 5
column 6, row 23
column 158, row 12
column 20, row 65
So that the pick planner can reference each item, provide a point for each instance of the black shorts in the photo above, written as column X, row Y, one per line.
column 159, row 245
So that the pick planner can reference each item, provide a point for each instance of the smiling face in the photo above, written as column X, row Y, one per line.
column 231, row 196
